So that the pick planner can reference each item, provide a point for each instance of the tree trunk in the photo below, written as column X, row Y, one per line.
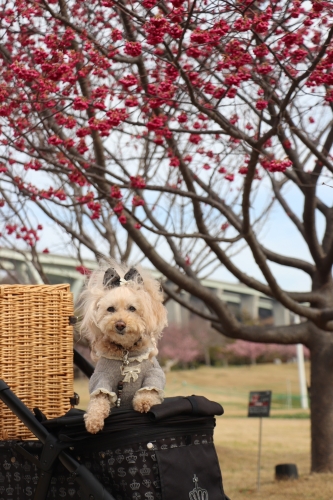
column 322, row 402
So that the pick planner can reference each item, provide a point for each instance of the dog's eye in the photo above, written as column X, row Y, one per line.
column 131, row 308
column 111, row 309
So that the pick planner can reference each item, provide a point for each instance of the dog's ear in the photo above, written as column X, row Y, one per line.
column 133, row 274
column 111, row 278
column 155, row 318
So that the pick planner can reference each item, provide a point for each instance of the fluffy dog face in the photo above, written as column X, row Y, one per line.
column 121, row 317
column 123, row 310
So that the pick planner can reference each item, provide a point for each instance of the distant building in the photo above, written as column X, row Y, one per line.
column 245, row 303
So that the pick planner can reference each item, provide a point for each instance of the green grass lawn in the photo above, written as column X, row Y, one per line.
column 230, row 386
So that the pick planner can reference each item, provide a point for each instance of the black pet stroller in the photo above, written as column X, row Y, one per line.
column 167, row 454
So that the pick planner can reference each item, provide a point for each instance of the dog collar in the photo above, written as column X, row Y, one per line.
column 120, row 347
column 126, row 350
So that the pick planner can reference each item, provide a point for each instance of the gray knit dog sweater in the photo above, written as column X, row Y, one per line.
column 141, row 373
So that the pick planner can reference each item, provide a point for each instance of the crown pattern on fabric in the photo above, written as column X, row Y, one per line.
column 134, row 485
column 145, row 471
column 198, row 493
column 131, row 459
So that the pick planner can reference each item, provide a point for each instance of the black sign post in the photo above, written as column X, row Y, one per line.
column 259, row 406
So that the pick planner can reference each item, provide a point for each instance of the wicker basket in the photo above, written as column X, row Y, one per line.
column 36, row 351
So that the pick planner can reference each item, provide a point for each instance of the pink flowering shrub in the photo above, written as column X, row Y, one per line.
column 242, row 351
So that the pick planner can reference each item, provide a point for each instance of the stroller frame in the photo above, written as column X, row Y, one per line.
column 53, row 449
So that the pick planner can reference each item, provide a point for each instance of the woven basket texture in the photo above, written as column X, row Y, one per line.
column 36, row 351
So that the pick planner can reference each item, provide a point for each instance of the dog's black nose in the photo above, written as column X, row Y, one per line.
column 120, row 326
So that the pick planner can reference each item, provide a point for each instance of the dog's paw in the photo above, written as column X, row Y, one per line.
column 142, row 406
column 144, row 400
column 93, row 423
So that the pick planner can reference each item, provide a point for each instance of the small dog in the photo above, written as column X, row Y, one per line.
column 123, row 318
